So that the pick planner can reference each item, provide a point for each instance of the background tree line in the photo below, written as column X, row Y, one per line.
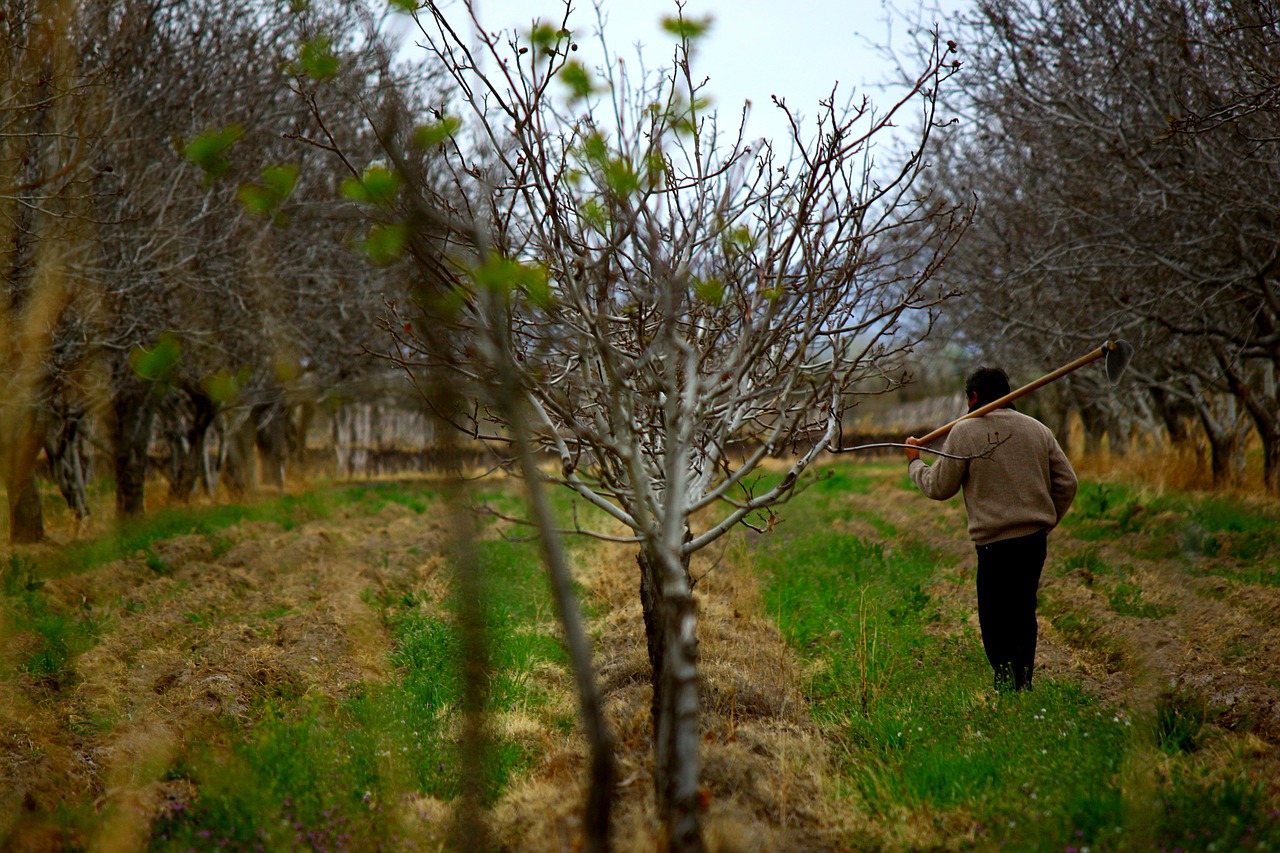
column 1126, row 158
column 179, row 270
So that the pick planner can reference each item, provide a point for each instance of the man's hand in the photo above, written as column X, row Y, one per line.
column 912, row 453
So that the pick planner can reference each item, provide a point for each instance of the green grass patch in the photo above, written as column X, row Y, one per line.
column 917, row 725
column 1127, row 599
column 1086, row 559
column 1221, row 535
column 138, row 537
column 323, row 775
column 911, row 709
column 56, row 633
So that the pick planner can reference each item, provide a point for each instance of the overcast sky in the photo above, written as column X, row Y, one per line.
column 796, row 50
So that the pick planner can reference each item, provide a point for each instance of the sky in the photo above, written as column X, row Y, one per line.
column 797, row 50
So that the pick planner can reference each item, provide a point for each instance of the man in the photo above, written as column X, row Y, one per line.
column 1017, row 486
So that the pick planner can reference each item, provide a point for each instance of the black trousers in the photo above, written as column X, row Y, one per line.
column 1008, row 577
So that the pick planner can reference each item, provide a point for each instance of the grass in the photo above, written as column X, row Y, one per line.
column 60, row 633
column 299, row 770
column 329, row 776
column 923, row 754
column 919, row 732
column 57, row 633
column 1225, row 536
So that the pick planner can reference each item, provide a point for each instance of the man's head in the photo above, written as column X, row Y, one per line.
column 984, row 385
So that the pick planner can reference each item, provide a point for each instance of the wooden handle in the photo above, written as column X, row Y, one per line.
column 1025, row 389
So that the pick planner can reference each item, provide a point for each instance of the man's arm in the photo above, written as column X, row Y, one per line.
column 940, row 480
column 1062, row 480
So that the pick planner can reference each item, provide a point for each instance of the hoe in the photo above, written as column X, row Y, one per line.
column 1118, row 354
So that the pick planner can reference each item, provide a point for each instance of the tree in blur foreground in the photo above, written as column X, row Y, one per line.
column 608, row 276
column 1126, row 160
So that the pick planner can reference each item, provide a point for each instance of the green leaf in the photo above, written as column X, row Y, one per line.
column 507, row 275
column 497, row 273
column 546, row 38
column 378, row 185
column 317, row 59
column 656, row 166
column 408, row 6
column 386, row 243
column 710, row 291
column 353, row 190
column 593, row 213
column 209, row 150
column 265, row 199
column 595, row 148
column 223, row 386
column 429, row 136
column 739, row 240
column 534, row 282
column 620, row 177
column 280, row 179
column 158, row 363
column 576, row 77
column 287, row 369
column 687, row 28
column 257, row 200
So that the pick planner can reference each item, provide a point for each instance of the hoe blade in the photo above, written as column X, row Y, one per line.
column 1119, row 354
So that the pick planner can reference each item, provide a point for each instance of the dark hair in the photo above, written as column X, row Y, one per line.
column 989, row 383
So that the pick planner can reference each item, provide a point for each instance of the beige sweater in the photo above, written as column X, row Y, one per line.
column 1017, row 480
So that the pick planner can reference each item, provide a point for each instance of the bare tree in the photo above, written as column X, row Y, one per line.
column 655, row 303
column 1099, row 218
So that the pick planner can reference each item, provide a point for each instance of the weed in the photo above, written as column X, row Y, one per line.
column 17, row 576
column 1088, row 560
column 59, row 636
column 1127, row 600
column 1203, row 812
column 1094, row 500
column 1102, row 510
column 842, row 481
column 1180, row 720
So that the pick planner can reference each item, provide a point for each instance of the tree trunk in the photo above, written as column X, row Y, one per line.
column 1118, row 436
column 1226, row 446
column 65, row 451
column 1094, row 428
column 238, row 466
column 299, row 425
column 671, row 634
column 187, row 447
column 133, row 414
column 26, row 517
column 271, row 435
column 1173, row 414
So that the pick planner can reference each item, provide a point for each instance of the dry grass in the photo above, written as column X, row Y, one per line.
column 763, row 761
